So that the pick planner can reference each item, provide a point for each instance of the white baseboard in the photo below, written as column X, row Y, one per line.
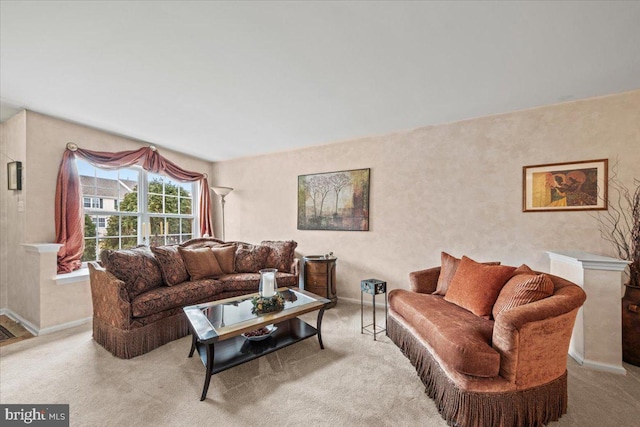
column 598, row 366
column 34, row 330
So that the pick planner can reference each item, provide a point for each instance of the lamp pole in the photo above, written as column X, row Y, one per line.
column 222, row 192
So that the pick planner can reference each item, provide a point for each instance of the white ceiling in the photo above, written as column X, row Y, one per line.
column 223, row 80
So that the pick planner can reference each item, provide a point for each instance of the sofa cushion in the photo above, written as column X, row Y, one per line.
column 165, row 298
column 460, row 339
column 522, row 289
column 240, row 281
column 136, row 267
column 226, row 256
column 476, row 286
column 171, row 264
column 251, row 258
column 448, row 267
column 201, row 263
column 281, row 254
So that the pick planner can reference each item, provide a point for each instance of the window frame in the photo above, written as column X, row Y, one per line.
column 143, row 236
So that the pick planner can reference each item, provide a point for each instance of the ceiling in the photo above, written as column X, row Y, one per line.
column 223, row 80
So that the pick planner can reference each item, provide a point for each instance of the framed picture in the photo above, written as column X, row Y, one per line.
column 565, row 186
column 14, row 175
column 334, row 201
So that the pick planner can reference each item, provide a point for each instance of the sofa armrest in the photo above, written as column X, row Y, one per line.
column 295, row 267
column 110, row 298
column 424, row 281
column 533, row 340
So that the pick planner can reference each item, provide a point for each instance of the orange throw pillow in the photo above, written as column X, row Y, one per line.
column 476, row 286
column 226, row 257
column 523, row 289
column 448, row 266
column 201, row 263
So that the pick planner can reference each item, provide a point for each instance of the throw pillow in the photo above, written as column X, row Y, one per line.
column 281, row 254
column 448, row 266
column 136, row 267
column 226, row 256
column 201, row 263
column 476, row 286
column 171, row 264
column 251, row 258
column 523, row 289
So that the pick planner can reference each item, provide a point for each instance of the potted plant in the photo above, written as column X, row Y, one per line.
column 620, row 225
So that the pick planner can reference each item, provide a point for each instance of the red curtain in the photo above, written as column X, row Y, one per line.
column 69, row 215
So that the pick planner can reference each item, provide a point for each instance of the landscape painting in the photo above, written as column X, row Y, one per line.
column 334, row 201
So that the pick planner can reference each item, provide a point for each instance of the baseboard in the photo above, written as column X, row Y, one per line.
column 598, row 366
column 67, row 325
column 34, row 330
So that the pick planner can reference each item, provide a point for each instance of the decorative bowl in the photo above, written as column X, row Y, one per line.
column 261, row 333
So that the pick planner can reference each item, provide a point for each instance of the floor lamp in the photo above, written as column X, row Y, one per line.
column 222, row 192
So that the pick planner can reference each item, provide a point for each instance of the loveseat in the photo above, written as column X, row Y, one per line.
column 488, row 341
column 138, row 294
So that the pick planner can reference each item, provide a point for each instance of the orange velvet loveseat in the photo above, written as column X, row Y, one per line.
column 489, row 342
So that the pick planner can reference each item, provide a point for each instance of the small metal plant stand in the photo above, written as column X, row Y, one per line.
column 373, row 287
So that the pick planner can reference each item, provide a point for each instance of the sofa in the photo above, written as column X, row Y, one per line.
column 138, row 294
column 488, row 341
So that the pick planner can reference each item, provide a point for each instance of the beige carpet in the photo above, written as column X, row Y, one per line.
column 353, row 382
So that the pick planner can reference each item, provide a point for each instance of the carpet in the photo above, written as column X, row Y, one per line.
column 353, row 382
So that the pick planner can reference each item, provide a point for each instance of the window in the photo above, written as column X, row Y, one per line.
column 130, row 206
column 93, row 202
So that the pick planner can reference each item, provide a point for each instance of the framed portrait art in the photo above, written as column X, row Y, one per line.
column 334, row 201
column 571, row 186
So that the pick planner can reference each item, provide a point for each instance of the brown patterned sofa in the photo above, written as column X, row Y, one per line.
column 138, row 294
column 489, row 342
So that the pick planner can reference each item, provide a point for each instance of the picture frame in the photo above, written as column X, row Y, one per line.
column 571, row 186
column 14, row 175
column 334, row 200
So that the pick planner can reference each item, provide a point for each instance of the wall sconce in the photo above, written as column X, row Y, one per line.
column 222, row 192
column 14, row 175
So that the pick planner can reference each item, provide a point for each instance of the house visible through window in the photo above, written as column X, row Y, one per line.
column 130, row 206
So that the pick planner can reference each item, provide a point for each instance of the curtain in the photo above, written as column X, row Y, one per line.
column 69, row 215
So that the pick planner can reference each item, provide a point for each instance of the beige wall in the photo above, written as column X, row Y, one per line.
column 12, row 221
column 46, row 304
column 455, row 187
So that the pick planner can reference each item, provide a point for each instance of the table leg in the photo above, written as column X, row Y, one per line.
column 361, row 314
column 319, row 325
column 193, row 343
column 209, row 368
column 374, row 316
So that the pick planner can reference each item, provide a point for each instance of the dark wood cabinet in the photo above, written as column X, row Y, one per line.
column 320, row 277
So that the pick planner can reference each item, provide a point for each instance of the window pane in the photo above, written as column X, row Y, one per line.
column 129, row 242
column 109, row 243
column 173, row 225
column 172, row 240
column 186, row 226
column 171, row 204
column 156, row 240
column 128, row 202
column 129, row 225
column 89, row 253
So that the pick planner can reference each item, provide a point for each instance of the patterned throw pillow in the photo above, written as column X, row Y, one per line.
column 281, row 254
column 226, row 256
column 171, row 264
column 448, row 267
column 201, row 263
column 136, row 267
column 476, row 286
column 523, row 289
column 251, row 258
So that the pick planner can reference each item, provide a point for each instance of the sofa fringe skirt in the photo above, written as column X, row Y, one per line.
column 524, row 408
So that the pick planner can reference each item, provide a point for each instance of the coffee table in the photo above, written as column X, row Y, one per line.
column 217, row 328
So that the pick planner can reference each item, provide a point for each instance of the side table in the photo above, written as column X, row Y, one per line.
column 320, row 277
column 373, row 287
